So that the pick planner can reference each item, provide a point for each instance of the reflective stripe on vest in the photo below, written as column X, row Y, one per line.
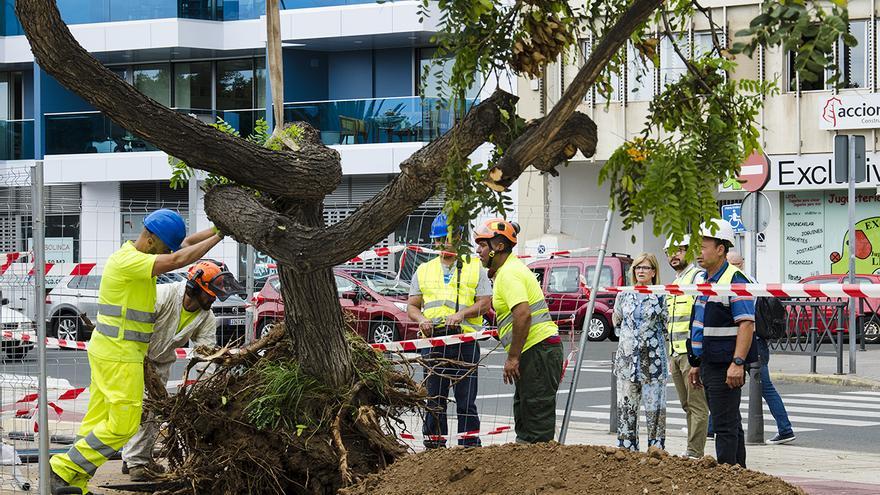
column 113, row 310
column 720, row 331
column 538, row 306
column 130, row 335
column 507, row 337
column 440, row 298
column 680, row 309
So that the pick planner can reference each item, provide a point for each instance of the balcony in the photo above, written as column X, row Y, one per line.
column 377, row 120
column 93, row 132
column 369, row 121
column 91, row 11
column 16, row 139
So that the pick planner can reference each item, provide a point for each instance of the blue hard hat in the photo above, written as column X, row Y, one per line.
column 439, row 227
column 168, row 226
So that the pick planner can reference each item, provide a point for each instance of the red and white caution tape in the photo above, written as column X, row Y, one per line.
column 859, row 291
column 464, row 435
column 416, row 344
column 389, row 250
column 10, row 259
column 26, row 270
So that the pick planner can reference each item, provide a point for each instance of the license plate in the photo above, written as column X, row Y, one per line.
column 236, row 322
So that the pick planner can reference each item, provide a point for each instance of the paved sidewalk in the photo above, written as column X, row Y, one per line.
column 817, row 471
column 797, row 369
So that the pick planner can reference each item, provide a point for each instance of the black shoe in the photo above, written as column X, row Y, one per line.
column 710, row 436
column 431, row 445
column 781, row 439
column 124, row 467
column 57, row 486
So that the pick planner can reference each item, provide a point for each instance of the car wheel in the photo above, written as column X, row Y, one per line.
column 871, row 329
column 66, row 326
column 265, row 326
column 383, row 331
column 598, row 329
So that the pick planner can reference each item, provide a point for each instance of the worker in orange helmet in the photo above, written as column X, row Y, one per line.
column 526, row 330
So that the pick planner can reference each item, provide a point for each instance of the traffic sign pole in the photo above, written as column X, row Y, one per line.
column 851, row 197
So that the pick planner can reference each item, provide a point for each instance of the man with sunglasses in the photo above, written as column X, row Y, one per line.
column 183, row 314
column 126, row 318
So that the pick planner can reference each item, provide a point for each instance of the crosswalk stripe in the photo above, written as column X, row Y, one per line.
column 809, row 410
column 838, row 403
column 560, row 392
column 794, row 419
column 864, row 392
column 837, row 397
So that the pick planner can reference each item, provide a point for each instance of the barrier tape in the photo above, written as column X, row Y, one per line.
column 389, row 250
column 416, row 344
column 464, row 435
column 858, row 291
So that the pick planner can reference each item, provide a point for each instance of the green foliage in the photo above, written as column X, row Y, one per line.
column 708, row 129
column 286, row 398
column 806, row 28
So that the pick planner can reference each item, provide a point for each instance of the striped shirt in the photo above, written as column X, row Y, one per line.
column 742, row 308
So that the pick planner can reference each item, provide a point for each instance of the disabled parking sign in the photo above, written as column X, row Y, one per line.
column 733, row 215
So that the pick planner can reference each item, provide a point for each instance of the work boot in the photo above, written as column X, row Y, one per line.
column 141, row 473
column 124, row 467
column 57, row 486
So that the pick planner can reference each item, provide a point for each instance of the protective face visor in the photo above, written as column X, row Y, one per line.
column 222, row 286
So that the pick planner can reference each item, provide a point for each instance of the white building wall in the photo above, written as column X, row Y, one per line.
column 100, row 222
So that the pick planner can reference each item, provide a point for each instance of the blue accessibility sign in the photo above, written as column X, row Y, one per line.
column 733, row 215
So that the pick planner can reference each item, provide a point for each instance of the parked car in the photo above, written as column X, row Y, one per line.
column 77, row 294
column 867, row 316
column 565, row 282
column 17, row 323
column 376, row 301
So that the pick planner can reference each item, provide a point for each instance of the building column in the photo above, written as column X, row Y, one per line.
column 100, row 221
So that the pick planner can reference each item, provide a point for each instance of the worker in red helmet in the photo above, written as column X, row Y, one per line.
column 526, row 330
column 183, row 314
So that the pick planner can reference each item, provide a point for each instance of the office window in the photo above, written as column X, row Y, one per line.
column 154, row 80
column 235, row 84
column 192, row 85
column 428, row 85
column 853, row 60
column 672, row 67
column 260, row 82
column 703, row 44
column 639, row 75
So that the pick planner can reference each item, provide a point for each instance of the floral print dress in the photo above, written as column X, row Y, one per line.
column 641, row 367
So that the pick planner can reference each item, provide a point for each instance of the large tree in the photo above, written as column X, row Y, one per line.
column 707, row 121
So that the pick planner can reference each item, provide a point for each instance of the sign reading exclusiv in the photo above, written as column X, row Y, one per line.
column 850, row 111
column 810, row 172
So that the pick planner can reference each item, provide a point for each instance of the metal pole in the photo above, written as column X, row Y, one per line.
column 582, row 344
column 39, row 234
column 755, row 228
column 851, row 203
column 755, row 433
column 250, row 329
column 192, row 209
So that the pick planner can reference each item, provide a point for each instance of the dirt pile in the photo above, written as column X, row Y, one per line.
column 555, row 469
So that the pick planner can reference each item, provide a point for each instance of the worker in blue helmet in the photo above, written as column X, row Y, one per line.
column 126, row 314
column 450, row 295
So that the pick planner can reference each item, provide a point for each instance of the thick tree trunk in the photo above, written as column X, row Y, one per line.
column 312, row 314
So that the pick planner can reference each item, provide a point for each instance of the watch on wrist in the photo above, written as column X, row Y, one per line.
column 739, row 361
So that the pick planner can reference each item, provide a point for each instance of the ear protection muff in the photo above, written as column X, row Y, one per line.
column 191, row 281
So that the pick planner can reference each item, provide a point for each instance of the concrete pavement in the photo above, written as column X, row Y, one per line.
column 793, row 368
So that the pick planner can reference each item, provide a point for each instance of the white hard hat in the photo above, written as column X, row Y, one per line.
column 723, row 230
column 685, row 241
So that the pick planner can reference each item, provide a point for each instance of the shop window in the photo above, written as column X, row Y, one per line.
column 154, row 80
column 192, row 85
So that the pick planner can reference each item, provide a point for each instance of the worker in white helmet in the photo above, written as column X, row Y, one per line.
column 722, row 343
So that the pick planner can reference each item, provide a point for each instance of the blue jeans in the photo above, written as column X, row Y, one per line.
column 768, row 391
column 437, row 381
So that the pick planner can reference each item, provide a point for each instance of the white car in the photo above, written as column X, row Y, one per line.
column 17, row 324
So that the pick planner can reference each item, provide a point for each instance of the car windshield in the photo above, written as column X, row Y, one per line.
column 383, row 283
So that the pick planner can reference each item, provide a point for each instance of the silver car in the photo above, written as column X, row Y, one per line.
column 77, row 294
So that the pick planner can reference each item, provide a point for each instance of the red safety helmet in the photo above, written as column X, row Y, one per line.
column 495, row 227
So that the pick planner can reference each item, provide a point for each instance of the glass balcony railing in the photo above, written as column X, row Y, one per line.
column 93, row 132
column 89, row 11
column 377, row 120
column 16, row 139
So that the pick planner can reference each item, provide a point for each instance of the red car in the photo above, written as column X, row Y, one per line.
column 565, row 283
column 376, row 300
column 867, row 315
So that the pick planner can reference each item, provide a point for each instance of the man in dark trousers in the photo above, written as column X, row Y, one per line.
column 722, row 343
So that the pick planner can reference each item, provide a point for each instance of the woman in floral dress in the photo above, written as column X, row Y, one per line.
column 640, row 363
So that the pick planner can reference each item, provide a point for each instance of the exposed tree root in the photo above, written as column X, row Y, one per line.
column 259, row 424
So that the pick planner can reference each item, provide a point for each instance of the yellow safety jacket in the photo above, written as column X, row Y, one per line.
column 439, row 297
column 515, row 284
column 126, row 306
column 680, row 309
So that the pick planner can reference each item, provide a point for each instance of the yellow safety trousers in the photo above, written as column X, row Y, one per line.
column 112, row 418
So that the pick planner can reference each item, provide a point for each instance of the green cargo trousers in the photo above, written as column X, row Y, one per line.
column 534, row 400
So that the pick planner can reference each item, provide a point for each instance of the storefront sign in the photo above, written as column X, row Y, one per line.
column 58, row 249
column 813, row 172
column 851, row 111
column 816, row 237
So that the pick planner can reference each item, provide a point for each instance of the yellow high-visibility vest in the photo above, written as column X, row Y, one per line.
column 680, row 309
column 439, row 297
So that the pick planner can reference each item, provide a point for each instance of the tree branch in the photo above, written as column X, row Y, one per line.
column 526, row 150
column 312, row 172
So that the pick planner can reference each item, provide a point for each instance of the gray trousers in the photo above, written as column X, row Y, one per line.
column 139, row 450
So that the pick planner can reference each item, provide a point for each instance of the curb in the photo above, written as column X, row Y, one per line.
column 839, row 380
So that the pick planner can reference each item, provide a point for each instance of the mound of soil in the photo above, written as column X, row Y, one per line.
column 562, row 470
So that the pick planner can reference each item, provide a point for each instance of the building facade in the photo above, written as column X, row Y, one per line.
column 352, row 69
column 808, row 222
